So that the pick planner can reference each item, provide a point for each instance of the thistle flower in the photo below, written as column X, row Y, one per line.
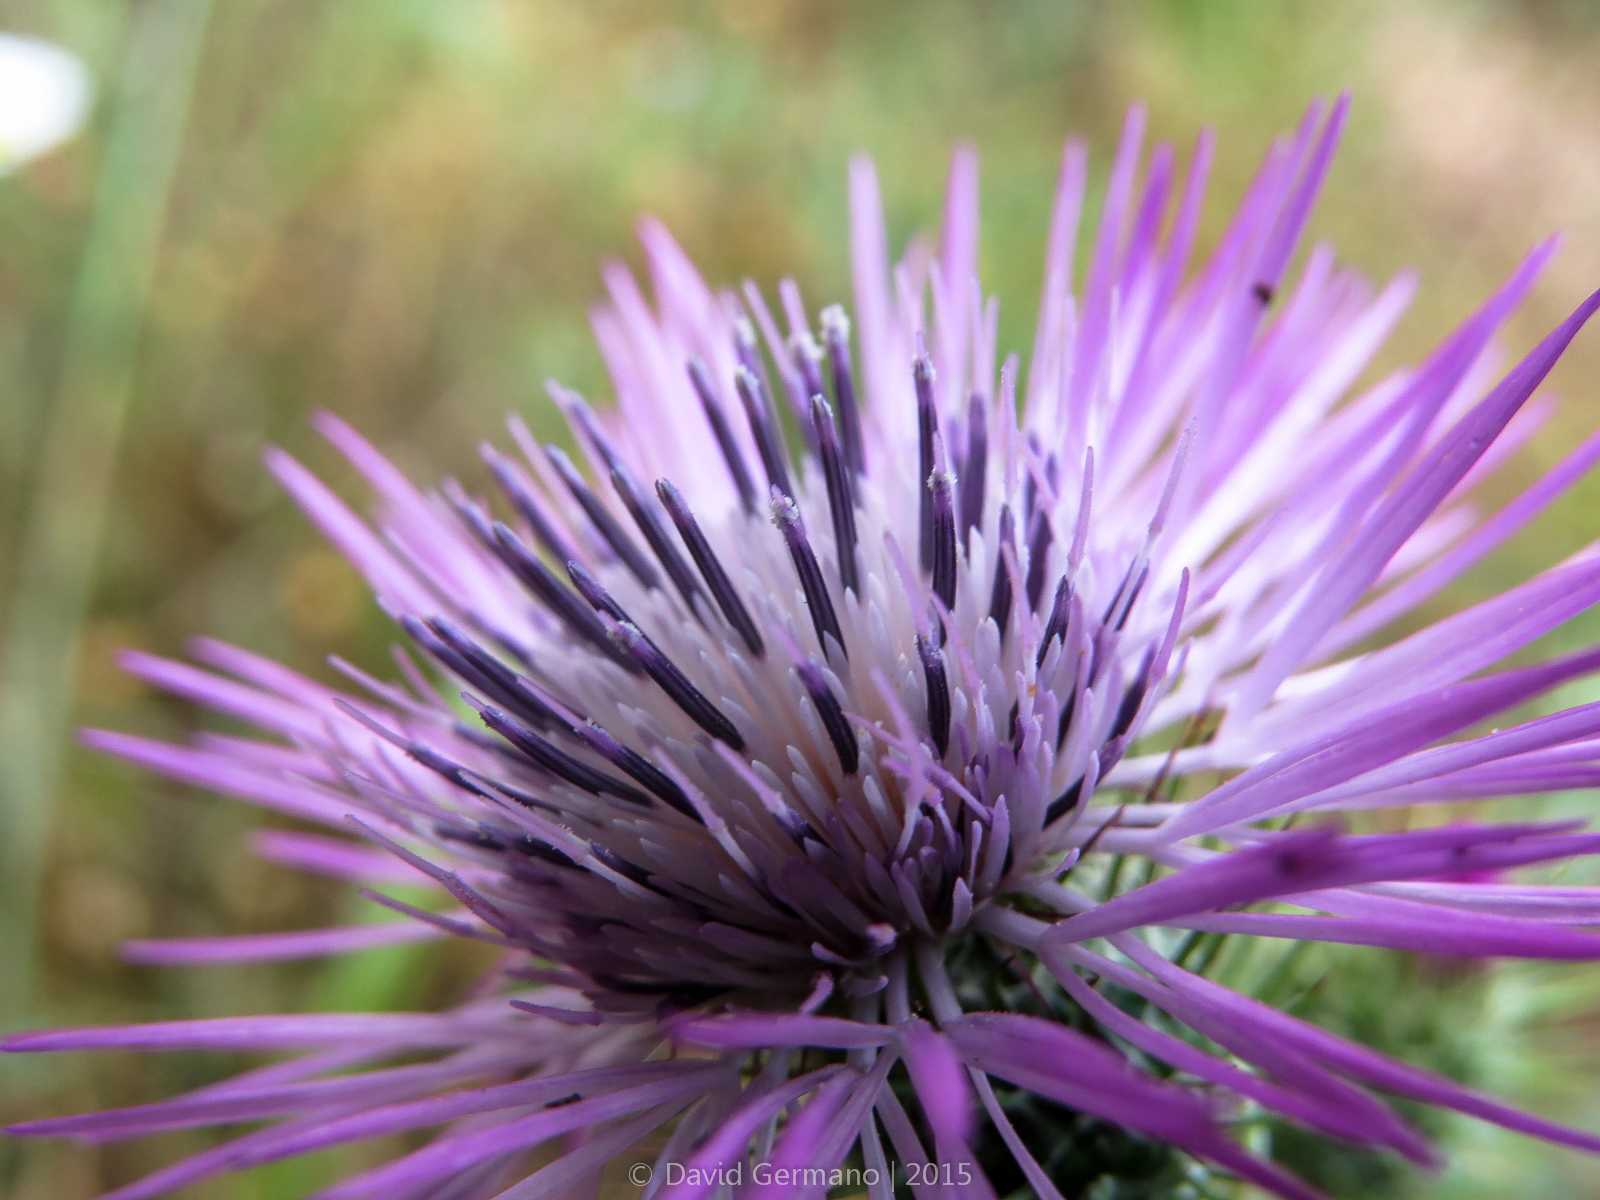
column 824, row 671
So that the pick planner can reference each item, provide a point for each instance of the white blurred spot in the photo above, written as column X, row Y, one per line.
column 44, row 97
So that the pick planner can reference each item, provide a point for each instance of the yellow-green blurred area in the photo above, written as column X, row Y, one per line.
column 395, row 209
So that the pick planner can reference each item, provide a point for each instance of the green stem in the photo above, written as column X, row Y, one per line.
column 77, row 459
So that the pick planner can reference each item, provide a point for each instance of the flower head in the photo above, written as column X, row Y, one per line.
column 822, row 671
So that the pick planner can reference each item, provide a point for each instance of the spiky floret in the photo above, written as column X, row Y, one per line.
column 737, row 740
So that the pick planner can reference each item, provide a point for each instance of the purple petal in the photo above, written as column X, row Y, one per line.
column 1358, row 1062
column 455, row 1152
column 1320, row 858
column 760, row 1030
column 1476, row 936
column 333, row 857
column 941, row 1082
column 799, row 1148
column 1365, row 743
column 273, row 947
column 1407, row 595
column 270, row 1097
column 1352, row 573
column 223, row 774
column 1332, row 1115
column 1063, row 1065
column 728, row 1144
column 294, row 1031
column 604, row 1092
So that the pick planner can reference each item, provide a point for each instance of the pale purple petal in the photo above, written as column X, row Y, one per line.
column 273, row 947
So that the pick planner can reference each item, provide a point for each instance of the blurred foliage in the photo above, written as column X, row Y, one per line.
column 395, row 209
column 1368, row 996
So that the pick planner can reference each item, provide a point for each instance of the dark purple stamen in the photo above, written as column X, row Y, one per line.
column 1030, row 484
column 676, row 685
column 1129, row 588
column 720, row 429
column 1067, row 710
column 472, row 514
column 807, row 357
column 616, row 537
column 527, row 506
column 479, row 838
column 1056, row 626
column 922, row 375
column 764, row 428
column 655, row 534
column 1064, row 803
column 558, row 762
column 748, row 351
column 632, row 871
column 556, row 596
column 975, row 470
column 506, row 754
column 1038, row 558
column 511, row 754
column 942, row 490
column 1103, row 647
column 589, row 588
column 532, row 847
column 444, row 767
column 476, row 667
column 1000, row 595
column 711, row 569
column 1052, row 473
column 491, row 668
column 783, row 357
column 1110, row 753
column 483, row 839
column 841, row 501
column 1133, row 698
column 795, row 826
column 637, row 766
column 836, row 336
column 938, row 684
column 1133, row 596
column 484, row 741
column 831, row 715
column 786, row 515
column 581, row 417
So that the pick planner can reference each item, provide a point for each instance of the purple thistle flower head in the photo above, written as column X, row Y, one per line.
column 843, row 654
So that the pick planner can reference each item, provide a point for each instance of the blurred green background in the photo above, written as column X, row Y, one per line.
column 395, row 209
